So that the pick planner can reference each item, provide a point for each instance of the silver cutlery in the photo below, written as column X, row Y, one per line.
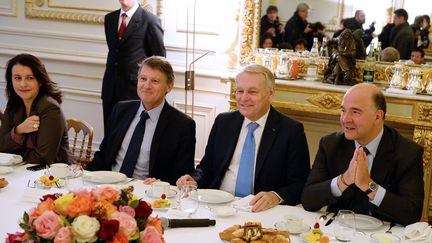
column 331, row 219
column 324, row 216
column 392, row 224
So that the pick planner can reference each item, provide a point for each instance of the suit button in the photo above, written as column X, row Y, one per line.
column 116, row 63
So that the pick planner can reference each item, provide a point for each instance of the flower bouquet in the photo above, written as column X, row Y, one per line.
column 100, row 214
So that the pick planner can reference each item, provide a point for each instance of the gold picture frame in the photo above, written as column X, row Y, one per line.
column 73, row 12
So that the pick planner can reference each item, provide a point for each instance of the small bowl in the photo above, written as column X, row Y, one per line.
column 223, row 211
column 291, row 228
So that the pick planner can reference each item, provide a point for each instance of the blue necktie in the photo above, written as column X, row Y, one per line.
column 131, row 157
column 246, row 168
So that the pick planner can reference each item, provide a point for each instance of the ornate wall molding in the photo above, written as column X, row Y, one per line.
column 249, row 30
column 10, row 9
column 54, row 12
column 425, row 112
column 326, row 101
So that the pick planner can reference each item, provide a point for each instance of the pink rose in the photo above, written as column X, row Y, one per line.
column 64, row 235
column 151, row 235
column 48, row 224
column 128, row 224
column 127, row 209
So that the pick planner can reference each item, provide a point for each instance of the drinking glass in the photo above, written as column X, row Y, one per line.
column 185, row 201
column 75, row 181
column 344, row 226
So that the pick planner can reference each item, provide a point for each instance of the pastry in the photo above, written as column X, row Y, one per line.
column 161, row 202
column 254, row 233
column 3, row 182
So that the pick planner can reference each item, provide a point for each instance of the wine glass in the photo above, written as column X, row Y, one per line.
column 185, row 201
column 345, row 226
column 75, row 181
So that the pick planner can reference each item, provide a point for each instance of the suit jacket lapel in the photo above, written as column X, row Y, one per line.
column 268, row 136
column 161, row 126
column 134, row 23
column 124, row 124
column 230, row 143
column 382, row 165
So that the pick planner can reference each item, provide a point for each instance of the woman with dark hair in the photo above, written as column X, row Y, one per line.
column 33, row 123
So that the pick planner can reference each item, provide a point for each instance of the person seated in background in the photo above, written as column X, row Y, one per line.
column 369, row 167
column 270, row 26
column 390, row 54
column 33, row 124
column 417, row 56
column 298, row 27
column 267, row 42
column 300, row 45
column 148, row 139
column 255, row 150
column 416, row 27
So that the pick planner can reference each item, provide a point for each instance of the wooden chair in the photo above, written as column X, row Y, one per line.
column 84, row 135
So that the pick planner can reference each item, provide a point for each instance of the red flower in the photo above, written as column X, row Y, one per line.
column 109, row 229
column 143, row 210
column 52, row 196
column 13, row 238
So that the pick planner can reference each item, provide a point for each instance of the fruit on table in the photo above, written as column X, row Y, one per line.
column 3, row 182
column 49, row 181
column 316, row 235
column 161, row 202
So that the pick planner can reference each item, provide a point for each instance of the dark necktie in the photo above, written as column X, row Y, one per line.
column 365, row 149
column 246, row 168
column 122, row 28
column 131, row 157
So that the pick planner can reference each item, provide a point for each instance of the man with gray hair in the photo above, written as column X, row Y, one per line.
column 255, row 150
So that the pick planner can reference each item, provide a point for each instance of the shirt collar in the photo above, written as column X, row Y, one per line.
column 261, row 121
column 131, row 11
column 373, row 145
column 153, row 113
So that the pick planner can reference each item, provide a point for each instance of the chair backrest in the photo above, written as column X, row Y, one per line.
column 82, row 141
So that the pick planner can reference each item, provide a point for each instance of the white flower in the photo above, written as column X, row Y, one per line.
column 85, row 228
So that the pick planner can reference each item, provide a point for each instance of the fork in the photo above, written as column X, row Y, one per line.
column 391, row 226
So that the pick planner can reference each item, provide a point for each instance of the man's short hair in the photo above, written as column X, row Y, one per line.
column 390, row 54
column 358, row 12
column 401, row 13
column 380, row 101
column 272, row 8
column 422, row 53
column 161, row 64
column 259, row 69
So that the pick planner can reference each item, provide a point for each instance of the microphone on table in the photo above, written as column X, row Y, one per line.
column 185, row 223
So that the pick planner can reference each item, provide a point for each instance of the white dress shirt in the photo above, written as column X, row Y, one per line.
column 129, row 14
column 142, row 167
column 229, row 181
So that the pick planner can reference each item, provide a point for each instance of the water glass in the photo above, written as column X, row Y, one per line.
column 188, row 199
column 345, row 226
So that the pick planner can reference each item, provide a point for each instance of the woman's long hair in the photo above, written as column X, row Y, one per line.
column 47, row 86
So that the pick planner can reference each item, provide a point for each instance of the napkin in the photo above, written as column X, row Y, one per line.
column 10, row 159
column 243, row 204
column 418, row 232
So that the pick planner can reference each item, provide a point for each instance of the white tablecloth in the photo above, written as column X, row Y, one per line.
column 17, row 198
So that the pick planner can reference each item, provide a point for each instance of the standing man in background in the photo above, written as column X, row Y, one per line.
column 402, row 36
column 132, row 34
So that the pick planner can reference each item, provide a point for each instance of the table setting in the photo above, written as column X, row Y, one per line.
column 210, row 212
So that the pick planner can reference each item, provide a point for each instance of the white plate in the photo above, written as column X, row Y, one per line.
column 104, row 177
column 294, row 230
column 7, row 159
column 5, row 170
column 212, row 196
column 71, row 174
column 384, row 238
column 171, row 193
column 366, row 222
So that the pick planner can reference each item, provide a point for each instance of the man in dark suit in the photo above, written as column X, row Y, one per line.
column 167, row 147
column 281, row 165
column 132, row 34
column 368, row 168
column 402, row 36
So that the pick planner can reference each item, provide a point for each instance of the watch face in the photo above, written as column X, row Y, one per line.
column 373, row 186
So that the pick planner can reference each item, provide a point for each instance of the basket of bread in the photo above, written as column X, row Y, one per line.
column 253, row 232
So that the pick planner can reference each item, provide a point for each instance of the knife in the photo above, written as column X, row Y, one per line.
column 181, row 223
column 331, row 219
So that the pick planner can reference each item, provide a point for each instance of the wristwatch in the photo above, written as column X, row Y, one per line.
column 372, row 186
